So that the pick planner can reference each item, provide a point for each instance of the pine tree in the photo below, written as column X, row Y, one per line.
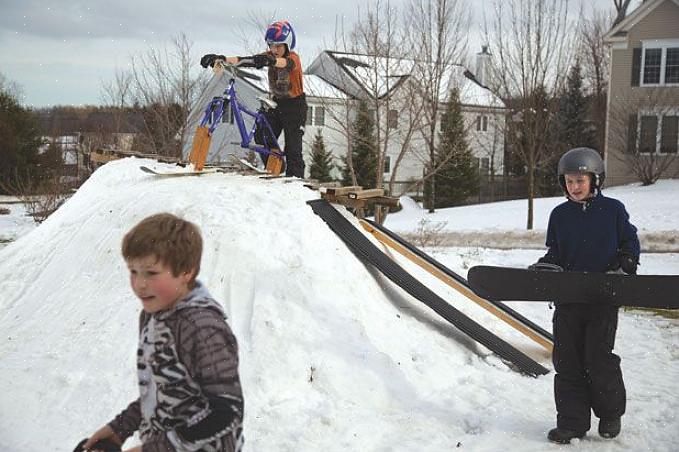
column 321, row 160
column 570, row 130
column 458, row 178
column 573, row 130
column 363, row 150
column 19, row 140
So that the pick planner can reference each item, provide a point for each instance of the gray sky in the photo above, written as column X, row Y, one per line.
column 59, row 52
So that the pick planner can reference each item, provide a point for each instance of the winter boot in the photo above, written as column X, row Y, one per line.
column 563, row 436
column 609, row 428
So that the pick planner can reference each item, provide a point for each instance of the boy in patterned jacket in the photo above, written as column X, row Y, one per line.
column 187, row 360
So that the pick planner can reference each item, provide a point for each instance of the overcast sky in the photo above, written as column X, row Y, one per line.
column 59, row 52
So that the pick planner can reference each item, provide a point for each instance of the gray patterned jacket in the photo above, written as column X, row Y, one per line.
column 190, row 393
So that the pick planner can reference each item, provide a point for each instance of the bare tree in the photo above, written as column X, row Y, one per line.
column 621, row 10
column 531, row 41
column 250, row 32
column 116, row 94
column 640, row 134
column 437, row 40
column 166, row 87
column 595, row 60
column 490, row 146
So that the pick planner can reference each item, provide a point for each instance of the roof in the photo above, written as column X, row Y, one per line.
column 317, row 87
column 619, row 31
column 394, row 71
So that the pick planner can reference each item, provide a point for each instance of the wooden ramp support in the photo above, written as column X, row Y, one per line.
column 466, row 291
column 356, row 197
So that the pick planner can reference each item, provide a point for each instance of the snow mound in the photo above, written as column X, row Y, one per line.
column 332, row 356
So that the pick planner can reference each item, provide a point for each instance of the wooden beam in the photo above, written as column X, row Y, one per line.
column 339, row 191
column 362, row 194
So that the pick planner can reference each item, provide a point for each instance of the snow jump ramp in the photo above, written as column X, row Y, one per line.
column 368, row 253
column 460, row 284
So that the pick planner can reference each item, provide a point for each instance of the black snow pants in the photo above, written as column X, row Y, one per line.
column 588, row 375
column 290, row 118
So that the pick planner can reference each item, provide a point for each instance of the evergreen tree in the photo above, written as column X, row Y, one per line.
column 573, row 129
column 363, row 150
column 19, row 140
column 569, row 130
column 458, row 178
column 321, row 160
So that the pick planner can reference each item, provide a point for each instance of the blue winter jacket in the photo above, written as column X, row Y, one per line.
column 588, row 236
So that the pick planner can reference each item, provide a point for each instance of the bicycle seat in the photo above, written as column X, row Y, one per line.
column 266, row 102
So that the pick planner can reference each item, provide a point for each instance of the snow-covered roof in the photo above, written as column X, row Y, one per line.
column 391, row 72
column 377, row 75
column 471, row 92
column 317, row 87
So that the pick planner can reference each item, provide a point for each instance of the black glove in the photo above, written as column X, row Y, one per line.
column 263, row 59
column 628, row 262
column 103, row 444
column 209, row 59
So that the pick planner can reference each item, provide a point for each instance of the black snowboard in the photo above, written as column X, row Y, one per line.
column 519, row 284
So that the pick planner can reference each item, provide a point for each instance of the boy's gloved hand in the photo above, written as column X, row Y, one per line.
column 210, row 59
column 262, row 59
column 628, row 262
column 104, row 445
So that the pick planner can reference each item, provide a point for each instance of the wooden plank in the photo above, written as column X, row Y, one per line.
column 340, row 191
column 385, row 201
column 362, row 194
column 467, row 292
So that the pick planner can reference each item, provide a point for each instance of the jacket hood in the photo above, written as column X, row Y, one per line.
column 199, row 297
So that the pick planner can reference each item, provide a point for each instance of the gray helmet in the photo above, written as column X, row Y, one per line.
column 582, row 161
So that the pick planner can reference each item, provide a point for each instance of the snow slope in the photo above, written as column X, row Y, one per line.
column 333, row 357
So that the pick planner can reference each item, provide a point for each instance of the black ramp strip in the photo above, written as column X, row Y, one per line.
column 369, row 253
column 509, row 311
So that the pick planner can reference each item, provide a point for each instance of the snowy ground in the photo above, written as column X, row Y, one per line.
column 652, row 209
column 15, row 223
column 333, row 357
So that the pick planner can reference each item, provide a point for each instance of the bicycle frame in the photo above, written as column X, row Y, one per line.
column 215, row 111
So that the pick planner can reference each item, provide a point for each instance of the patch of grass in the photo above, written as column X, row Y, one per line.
column 667, row 313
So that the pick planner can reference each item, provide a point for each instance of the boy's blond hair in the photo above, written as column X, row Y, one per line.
column 174, row 241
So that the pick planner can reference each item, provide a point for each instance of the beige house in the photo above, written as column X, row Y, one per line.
column 642, row 128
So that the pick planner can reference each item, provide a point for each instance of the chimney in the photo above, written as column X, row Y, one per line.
column 481, row 63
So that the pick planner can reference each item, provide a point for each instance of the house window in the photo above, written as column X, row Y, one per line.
column 652, row 63
column 319, row 116
column 672, row 66
column 392, row 119
column 648, row 133
column 484, row 168
column 669, row 135
column 659, row 134
column 481, row 123
column 387, row 164
column 315, row 116
column 660, row 62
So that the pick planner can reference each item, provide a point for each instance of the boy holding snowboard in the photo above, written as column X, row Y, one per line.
column 590, row 233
